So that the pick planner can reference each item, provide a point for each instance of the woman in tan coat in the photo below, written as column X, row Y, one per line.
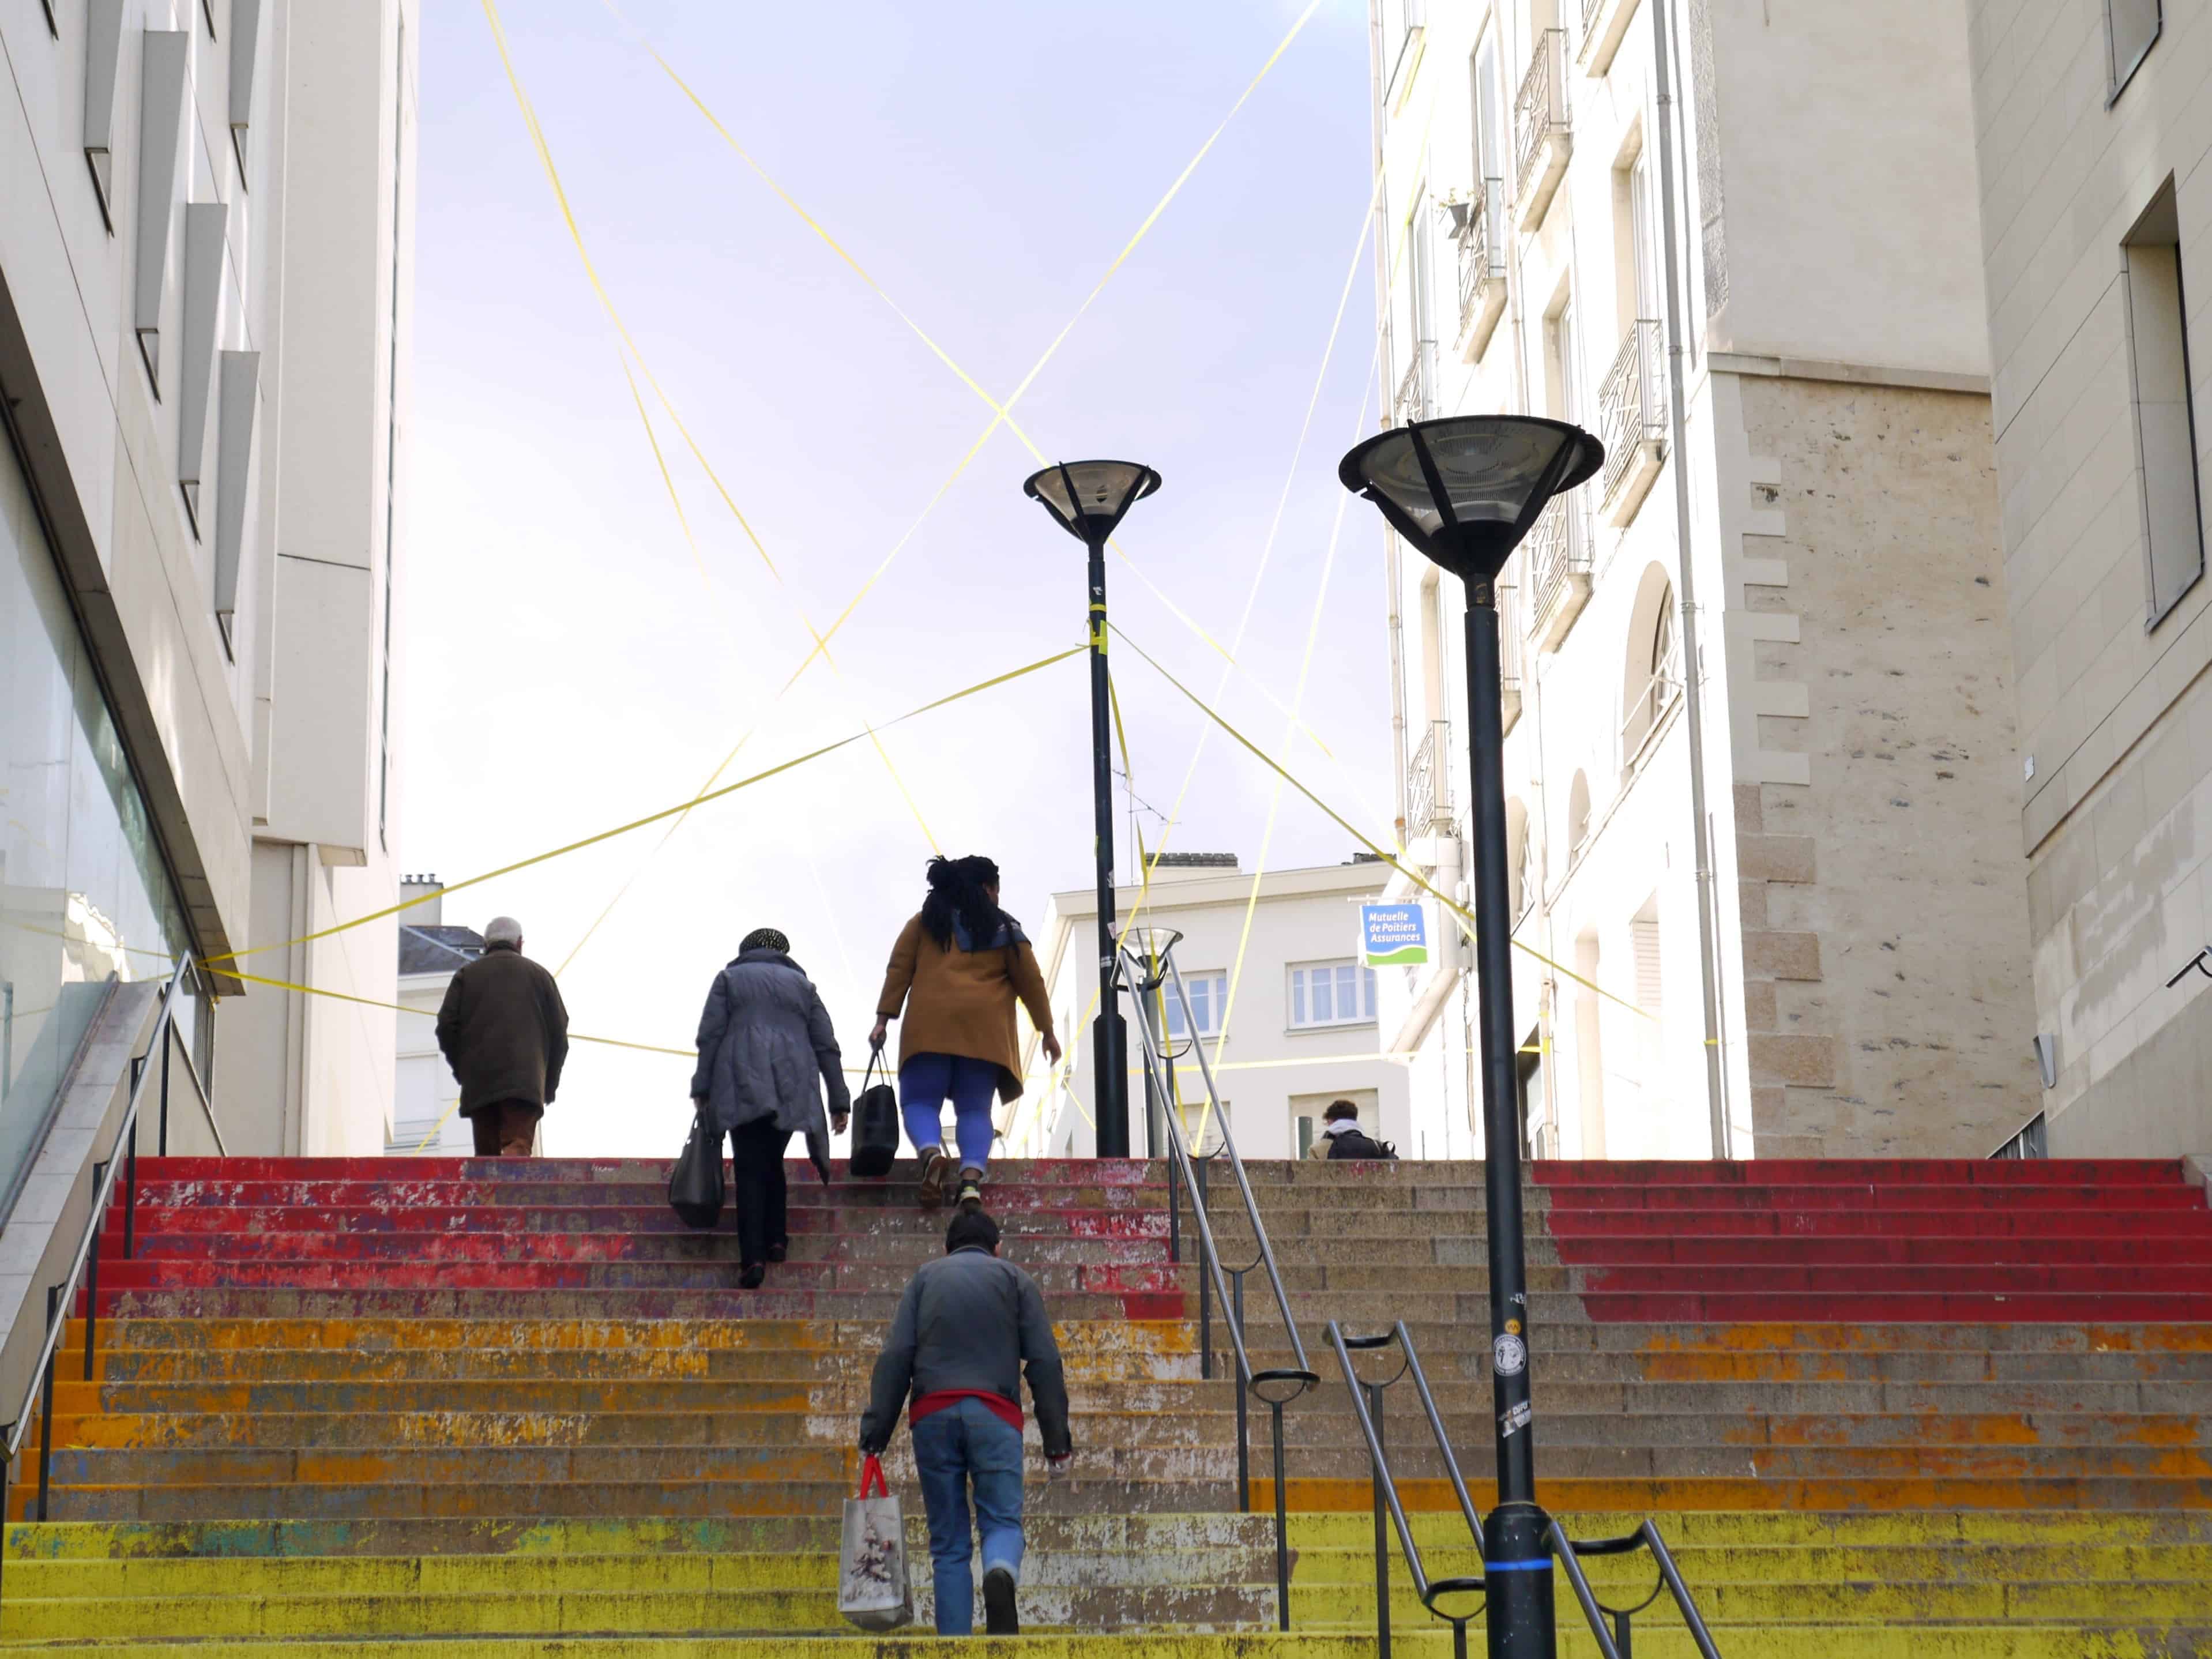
column 956, row 973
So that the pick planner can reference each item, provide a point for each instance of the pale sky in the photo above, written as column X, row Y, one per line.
column 568, row 667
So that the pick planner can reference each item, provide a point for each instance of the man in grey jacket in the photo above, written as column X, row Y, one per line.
column 967, row 1326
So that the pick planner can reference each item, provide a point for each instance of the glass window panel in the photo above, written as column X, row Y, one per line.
column 1324, row 997
column 83, row 893
column 1297, row 996
column 1368, row 1012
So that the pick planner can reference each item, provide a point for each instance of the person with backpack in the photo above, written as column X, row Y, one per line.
column 1342, row 1137
column 956, row 972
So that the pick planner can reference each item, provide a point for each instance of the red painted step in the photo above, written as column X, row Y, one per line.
column 1824, row 1171
column 1860, row 1241
column 2086, row 1221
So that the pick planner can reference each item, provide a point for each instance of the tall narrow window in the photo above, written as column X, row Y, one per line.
column 2132, row 29
column 1645, row 238
column 1643, row 936
column 2165, row 425
column 1559, row 361
column 1490, row 158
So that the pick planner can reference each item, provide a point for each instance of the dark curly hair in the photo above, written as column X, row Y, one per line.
column 956, row 888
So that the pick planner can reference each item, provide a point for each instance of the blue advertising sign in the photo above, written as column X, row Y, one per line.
column 1393, row 935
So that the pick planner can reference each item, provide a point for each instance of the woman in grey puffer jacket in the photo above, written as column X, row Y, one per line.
column 765, row 1048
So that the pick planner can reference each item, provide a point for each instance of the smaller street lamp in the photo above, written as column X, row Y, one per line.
column 1088, row 499
column 1465, row 491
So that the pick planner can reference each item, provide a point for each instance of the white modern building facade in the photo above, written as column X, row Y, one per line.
column 1280, row 1001
column 205, row 269
column 2095, row 206
column 1828, row 908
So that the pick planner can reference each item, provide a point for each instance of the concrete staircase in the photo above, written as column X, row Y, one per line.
column 1952, row 1409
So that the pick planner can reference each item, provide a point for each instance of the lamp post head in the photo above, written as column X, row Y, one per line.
column 1088, row 499
column 1467, row 489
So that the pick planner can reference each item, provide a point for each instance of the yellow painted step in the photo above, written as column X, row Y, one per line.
column 128, row 1579
column 1760, row 1529
column 1821, row 1563
column 1652, row 1642
column 1257, row 1645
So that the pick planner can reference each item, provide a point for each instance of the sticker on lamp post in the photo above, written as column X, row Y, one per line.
column 1393, row 935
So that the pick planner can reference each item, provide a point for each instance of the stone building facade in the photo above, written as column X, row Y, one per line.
column 1861, row 929
column 2094, row 212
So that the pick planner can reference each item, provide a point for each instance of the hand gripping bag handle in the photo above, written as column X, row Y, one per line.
column 872, row 1474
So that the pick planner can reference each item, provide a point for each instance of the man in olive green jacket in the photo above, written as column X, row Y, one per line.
column 504, row 1030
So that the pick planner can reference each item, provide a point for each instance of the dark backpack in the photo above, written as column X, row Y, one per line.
column 1357, row 1143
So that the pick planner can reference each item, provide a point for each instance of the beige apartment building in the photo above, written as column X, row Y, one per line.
column 2095, row 205
column 1283, row 1007
column 205, row 248
column 1855, row 959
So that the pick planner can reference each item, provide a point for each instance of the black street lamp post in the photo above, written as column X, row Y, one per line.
column 1088, row 499
column 1465, row 491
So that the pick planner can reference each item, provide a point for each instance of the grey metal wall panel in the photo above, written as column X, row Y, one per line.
column 204, row 222
column 244, row 49
column 239, row 402
column 161, row 142
column 103, row 57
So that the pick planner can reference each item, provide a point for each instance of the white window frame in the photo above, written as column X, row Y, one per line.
column 1209, row 1004
column 1297, row 983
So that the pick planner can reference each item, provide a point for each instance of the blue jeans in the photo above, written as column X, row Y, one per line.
column 926, row 1081
column 963, row 1443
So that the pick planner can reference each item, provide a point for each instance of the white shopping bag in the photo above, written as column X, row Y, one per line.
column 872, row 1590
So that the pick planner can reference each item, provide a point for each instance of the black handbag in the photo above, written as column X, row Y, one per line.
column 695, row 1186
column 875, row 1125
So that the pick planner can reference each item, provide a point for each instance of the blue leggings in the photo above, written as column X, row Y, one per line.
column 926, row 1081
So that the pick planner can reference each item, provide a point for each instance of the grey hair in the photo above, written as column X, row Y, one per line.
column 502, row 930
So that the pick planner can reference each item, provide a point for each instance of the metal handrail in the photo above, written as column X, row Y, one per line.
column 1615, row 1643
column 1275, row 1387
column 121, row 1163
column 1367, row 1406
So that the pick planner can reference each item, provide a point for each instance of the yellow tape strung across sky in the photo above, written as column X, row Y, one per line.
column 1465, row 917
column 614, row 315
column 681, row 807
column 429, row 1014
column 1002, row 414
column 1275, row 803
column 1058, row 1075
column 1251, row 597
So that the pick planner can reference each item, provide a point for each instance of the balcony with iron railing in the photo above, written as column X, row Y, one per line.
column 1428, row 782
column 1605, row 24
column 1557, row 554
column 1417, row 388
column 1512, row 635
column 1481, row 234
column 1631, row 415
column 1543, row 131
